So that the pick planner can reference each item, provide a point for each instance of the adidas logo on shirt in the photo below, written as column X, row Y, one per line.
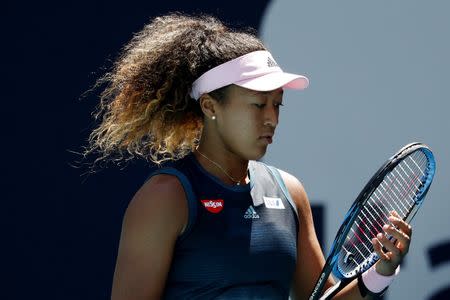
column 251, row 213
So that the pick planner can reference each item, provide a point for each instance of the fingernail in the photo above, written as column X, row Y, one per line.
column 379, row 235
column 385, row 227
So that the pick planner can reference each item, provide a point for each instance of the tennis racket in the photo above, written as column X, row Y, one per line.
column 401, row 185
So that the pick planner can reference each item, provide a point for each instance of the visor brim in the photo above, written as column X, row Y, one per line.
column 274, row 81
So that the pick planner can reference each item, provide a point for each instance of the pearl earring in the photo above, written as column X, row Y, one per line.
column 213, row 117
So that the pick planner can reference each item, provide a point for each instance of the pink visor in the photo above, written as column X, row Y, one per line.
column 255, row 71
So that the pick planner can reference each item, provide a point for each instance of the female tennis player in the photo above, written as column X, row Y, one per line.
column 211, row 222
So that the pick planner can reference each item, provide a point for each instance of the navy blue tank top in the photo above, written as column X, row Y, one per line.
column 240, row 241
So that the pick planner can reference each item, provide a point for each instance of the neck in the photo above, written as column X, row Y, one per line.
column 223, row 164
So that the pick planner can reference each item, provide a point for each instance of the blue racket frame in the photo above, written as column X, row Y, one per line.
column 352, row 214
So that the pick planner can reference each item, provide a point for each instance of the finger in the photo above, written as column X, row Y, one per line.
column 377, row 246
column 395, row 214
column 402, row 225
column 400, row 236
column 395, row 254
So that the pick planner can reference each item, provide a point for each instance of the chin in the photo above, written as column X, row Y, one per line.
column 257, row 154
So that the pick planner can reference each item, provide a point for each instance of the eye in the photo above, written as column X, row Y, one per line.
column 277, row 105
column 259, row 105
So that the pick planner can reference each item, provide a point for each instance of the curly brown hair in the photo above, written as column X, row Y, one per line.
column 145, row 108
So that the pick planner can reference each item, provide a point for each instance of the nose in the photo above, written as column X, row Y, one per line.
column 271, row 116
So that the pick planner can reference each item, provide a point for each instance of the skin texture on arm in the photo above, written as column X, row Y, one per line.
column 153, row 220
column 310, row 259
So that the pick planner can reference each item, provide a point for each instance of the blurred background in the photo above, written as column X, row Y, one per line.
column 379, row 77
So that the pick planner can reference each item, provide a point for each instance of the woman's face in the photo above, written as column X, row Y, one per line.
column 247, row 119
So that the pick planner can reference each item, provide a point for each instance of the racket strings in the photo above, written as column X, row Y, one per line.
column 397, row 192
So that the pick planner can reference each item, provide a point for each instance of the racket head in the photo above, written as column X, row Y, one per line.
column 401, row 185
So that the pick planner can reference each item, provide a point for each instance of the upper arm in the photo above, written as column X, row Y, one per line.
column 152, row 222
column 310, row 259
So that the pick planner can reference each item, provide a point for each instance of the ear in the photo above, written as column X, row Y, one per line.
column 208, row 105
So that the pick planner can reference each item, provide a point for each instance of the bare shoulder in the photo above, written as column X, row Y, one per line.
column 154, row 219
column 160, row 196
column 296, row 189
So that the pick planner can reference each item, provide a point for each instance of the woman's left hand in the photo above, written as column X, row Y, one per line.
column 395, row 251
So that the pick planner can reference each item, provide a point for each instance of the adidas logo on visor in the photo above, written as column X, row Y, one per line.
column 271, row 62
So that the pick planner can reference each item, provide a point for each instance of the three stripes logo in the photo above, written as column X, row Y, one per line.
column 271, row 62
column 251, row 213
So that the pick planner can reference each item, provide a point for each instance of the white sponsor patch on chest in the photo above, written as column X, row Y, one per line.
column 275, row 203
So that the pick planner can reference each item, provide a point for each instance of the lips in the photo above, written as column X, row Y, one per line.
column 267, row 137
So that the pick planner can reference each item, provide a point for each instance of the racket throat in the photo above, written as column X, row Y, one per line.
column 349, row 257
